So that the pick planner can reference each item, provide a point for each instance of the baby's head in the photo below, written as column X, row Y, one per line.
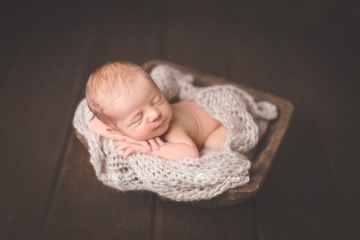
column 124, row 97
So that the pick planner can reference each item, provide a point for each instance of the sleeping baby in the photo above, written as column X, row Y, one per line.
column 129, row 108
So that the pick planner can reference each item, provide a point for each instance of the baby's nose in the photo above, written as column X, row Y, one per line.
column 154, row 115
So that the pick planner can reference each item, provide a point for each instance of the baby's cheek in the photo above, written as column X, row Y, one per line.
column 168, row 110
column 142, row 134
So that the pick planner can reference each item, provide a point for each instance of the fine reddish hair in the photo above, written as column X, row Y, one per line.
column 110, row 80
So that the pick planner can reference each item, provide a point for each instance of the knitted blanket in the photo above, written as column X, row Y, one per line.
column 189, row 179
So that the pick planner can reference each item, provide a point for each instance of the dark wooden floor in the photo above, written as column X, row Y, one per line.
column 306, row 52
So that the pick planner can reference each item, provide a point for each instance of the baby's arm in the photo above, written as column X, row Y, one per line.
column 132, row 145
column 178, row 145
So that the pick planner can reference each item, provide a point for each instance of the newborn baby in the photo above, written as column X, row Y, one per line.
column 129, row 108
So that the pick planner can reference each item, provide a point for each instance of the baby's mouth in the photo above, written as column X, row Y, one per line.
column 161, row 124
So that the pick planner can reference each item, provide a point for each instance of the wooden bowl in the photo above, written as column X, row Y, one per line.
column 265, row 150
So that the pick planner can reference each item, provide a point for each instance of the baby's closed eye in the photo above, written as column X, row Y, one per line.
column 137, row 120
column 157, row 100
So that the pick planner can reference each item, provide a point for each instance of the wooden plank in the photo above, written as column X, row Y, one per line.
column 185, row 221
column 299, row 199
column 129, row 33
column 37, row 100
column 196, row 41
column 329, row 92
column 82, row 207
column 17, row 22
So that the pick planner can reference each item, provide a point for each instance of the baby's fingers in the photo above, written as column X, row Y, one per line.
column 159, row 141
column 144, row 144
column 130, row 148
column 128, row 152
column 121, row 146
column 153, row 144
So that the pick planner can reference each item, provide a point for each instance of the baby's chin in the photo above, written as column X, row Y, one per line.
column 160, row 130
column 151, row 136
column 164, row 129
column 163, row 132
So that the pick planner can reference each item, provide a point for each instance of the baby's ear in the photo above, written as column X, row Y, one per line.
column 96, row 125
column 113, row 131
column 106, row 131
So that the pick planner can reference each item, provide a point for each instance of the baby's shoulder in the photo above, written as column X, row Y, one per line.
column 177, row 133
column 175, row 128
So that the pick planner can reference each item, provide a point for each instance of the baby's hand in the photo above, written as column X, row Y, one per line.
column 135, row 146
column 155, row 143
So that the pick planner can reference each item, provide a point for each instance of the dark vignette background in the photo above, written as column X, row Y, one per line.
column 304, row 51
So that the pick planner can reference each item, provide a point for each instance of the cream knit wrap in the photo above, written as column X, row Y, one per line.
column 189, row 179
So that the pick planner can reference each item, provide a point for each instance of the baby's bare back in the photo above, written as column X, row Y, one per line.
column 198, row 124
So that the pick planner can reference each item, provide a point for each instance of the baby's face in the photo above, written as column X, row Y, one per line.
column 141, row 114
